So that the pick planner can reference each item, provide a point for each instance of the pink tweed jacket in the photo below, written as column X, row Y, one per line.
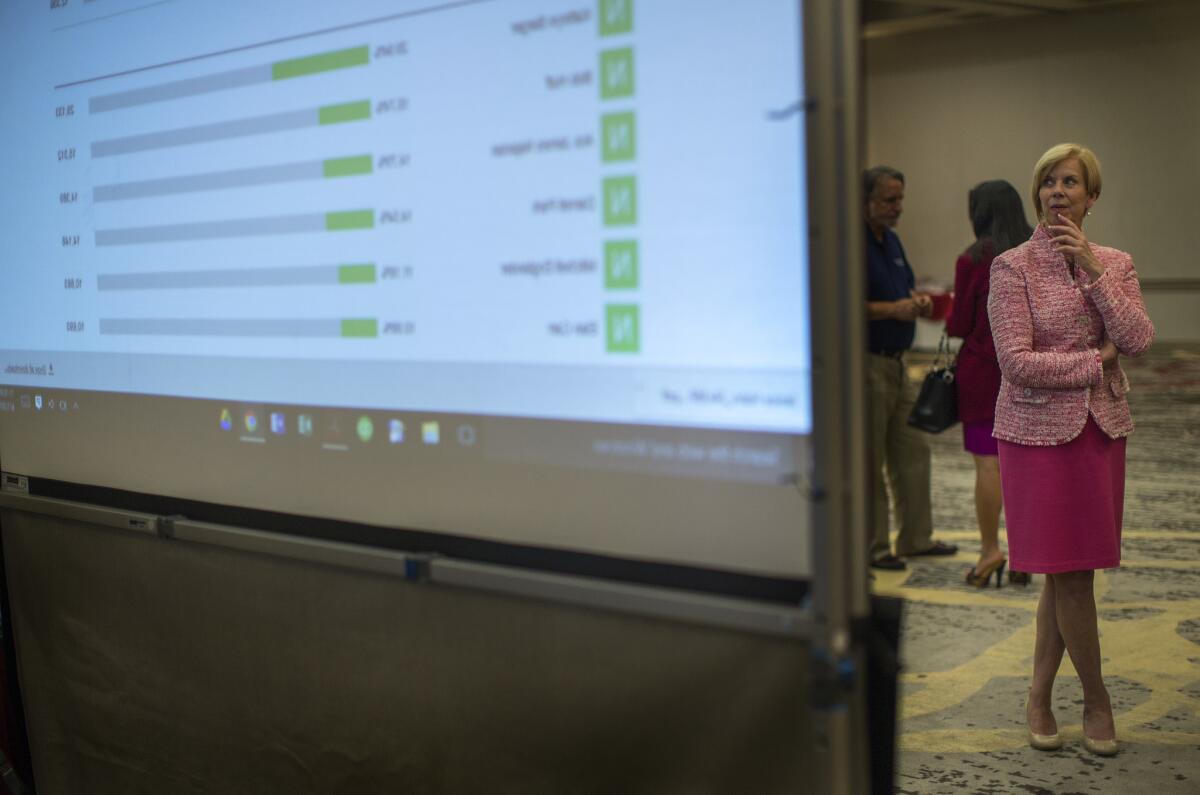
column 1048, row 330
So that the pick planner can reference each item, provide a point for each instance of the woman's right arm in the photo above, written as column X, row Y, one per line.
column 1012, row 331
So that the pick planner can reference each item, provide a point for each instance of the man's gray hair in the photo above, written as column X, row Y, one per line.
column 872, row 176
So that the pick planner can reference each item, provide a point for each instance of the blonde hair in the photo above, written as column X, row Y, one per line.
column 1055, row 155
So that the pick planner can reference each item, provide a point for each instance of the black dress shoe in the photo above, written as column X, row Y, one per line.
column 889, row 562
column 938, row 548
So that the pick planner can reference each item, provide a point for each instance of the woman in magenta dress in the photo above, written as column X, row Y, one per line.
column 998, row 220
column 1063, row 312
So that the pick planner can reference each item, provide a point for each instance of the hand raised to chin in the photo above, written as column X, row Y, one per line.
column 1070, row 241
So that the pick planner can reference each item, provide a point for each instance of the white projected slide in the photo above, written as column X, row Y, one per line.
column 582, row 217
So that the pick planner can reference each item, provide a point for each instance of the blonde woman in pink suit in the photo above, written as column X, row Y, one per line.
column 1063, row 311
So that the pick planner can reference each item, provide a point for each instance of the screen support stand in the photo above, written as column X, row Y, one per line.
column 838, row 485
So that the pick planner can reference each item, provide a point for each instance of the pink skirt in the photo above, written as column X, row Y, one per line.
column 1063, row 503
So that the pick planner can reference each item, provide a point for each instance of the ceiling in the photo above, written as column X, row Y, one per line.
column 894, row 17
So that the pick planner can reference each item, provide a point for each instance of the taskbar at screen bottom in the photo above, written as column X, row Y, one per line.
column 767, row 399
column 420, row 437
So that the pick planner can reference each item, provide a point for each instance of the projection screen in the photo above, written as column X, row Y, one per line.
column 520, row 271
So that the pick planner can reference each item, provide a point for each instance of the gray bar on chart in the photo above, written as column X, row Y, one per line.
column 211, row 230
column 180, row 88
column 245, row 277
column 222, row 327
column 238, row 178
column 203, row 133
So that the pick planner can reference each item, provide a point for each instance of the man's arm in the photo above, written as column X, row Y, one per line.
column 906, row 309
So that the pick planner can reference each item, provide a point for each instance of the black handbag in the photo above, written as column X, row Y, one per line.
column 936, row 408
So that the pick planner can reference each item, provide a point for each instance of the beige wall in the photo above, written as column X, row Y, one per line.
column 953, row 107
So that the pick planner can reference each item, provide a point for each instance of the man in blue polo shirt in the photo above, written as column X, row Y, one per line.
column 898, row 452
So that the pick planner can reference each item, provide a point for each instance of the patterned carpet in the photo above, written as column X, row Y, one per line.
column 967, row 653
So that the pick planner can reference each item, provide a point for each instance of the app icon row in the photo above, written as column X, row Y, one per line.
column 277, row 423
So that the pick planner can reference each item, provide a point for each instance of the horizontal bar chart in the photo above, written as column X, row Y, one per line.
column 360, row 328
column 359, row 110
column 235, row 78
column 357, row 165
column 222, row 162
column 238, row 227
column 306, row 275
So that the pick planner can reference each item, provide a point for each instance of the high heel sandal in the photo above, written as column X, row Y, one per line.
column 1019, row 577
column 980, row 579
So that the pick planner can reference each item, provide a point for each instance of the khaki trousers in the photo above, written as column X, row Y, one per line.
column 899, row 457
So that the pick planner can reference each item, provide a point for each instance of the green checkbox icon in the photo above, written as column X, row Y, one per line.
column 616, row 16
column 620, row 201
column 622, row 330
column 618, row 137
column 620, row 265
column 616, row 73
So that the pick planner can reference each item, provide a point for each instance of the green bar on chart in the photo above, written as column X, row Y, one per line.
column 347, row 111
column 360, row 327
column 323, row 62
column 347, row 166
column 350, row 219
column 356, row 274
